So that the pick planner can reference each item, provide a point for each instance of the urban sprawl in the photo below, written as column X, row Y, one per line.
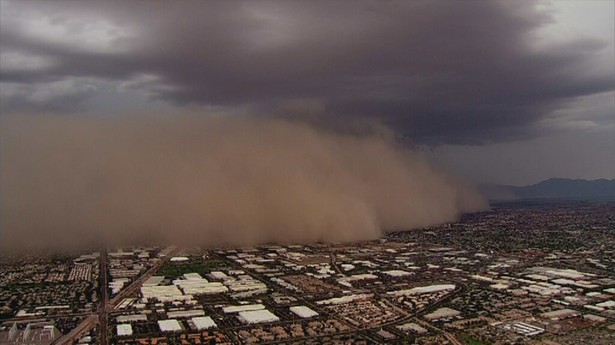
column 521, row 273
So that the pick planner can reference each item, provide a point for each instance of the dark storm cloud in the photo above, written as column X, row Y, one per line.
column 456, row 72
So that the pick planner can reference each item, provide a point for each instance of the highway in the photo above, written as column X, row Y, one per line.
column 335, row 266
column 102, row 309
column 107, row 305
column 357, row 330
column 78, row 331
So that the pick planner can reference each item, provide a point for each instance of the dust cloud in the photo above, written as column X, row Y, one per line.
column 71, row 181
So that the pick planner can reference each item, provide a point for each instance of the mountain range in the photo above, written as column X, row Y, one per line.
column 553, row 188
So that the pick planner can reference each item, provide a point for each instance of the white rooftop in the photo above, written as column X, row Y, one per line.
column 411, row 326
column 124, row 329
column 559, row 313
column 607, row 304
column 442, row 313
column 131, row 318
column 170, row 325
column 203, row 322
column 218, row 275
column 197, row 286
column 192, row 276
column 185, row 313
column 160, row 291
column 423, row 290
column 257, row 316
column 239, row 308
column 303, row 311
column 344, row 299
column 397, row 273
column 365, row 276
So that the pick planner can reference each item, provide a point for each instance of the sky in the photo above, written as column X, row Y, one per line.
column 509, row 92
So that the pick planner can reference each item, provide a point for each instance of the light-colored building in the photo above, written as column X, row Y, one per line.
column 412, row 327
column 303, row 311
column 559, row 314
column 423, row 290
column 124, row 329
column 239, row 308
column 397, row 273
column 170, row 325
column 257, row 316
column 162, row 292
column 203, row 322
column 185, row 313
column 442, row 313
column 131, row 318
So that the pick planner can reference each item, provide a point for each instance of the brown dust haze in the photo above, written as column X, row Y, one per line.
column 71, row 181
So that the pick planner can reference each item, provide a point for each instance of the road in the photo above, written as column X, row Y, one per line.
column 134, row 286
column 356, row 330
column 102, row 309
column 107, row 305
column 78, row 331
column 435, row 305
column 335, row 266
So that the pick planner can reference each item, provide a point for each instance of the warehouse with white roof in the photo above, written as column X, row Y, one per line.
column 196, row 286
column 257, row 316
column 124, row 329
column 185, row 313
column 423, row 290
column 203, row 322
column 239, row 308
column 164, row 293
column 170, row 325
column 442, row 313
column 303, row 311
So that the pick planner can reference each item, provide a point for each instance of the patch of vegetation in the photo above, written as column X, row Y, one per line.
column 174, row 270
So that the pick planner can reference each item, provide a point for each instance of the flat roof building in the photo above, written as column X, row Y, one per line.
column 257, row 316
column 303, row 311
column 185, row 313
column 413, row 327
column 203, row 322
column 559, row 314
column 423, row 290
column 239, row 308
column 170, row 325
column 124, row 329
column 442, row 313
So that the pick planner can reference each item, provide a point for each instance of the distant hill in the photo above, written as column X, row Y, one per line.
column 554, row 188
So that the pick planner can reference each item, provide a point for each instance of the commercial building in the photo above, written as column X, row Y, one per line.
column 303, row 311
column 203, row 322
column 124, row 329
column 442, row 313
column 257, row 316
column 423, row 290
column 170, row 325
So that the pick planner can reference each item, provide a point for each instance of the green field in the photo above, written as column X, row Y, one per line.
column 174, row 270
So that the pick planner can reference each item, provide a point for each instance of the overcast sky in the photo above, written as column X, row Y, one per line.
column 508, row 92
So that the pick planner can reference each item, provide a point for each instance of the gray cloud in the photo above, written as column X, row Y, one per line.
column 439, row 72
column 197, row 179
